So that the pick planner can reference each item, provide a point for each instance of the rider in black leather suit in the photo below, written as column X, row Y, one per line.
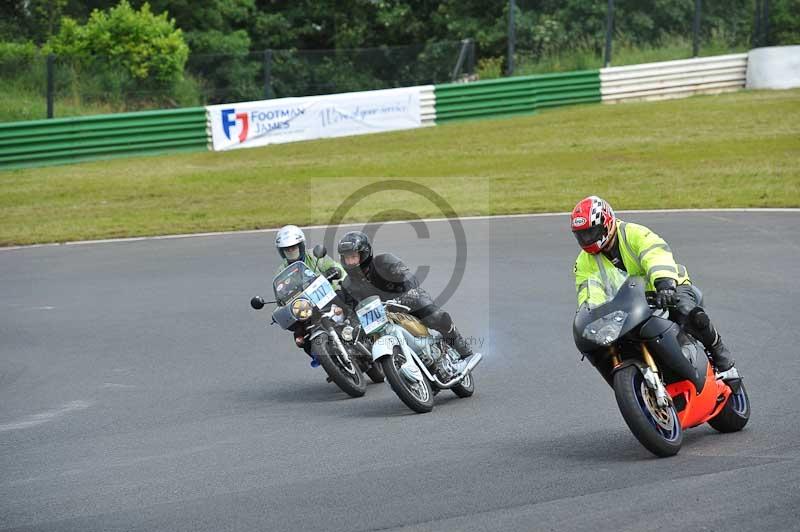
column 388, row 277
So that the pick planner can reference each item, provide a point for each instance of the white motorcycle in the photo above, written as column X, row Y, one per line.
column 416, row 360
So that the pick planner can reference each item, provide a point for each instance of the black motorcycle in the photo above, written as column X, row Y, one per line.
column 662, row 377
column 307, row 307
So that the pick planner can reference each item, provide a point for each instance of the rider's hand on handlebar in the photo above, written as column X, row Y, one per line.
column 665, row 293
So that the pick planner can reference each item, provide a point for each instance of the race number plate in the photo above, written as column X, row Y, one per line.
column 320, row 292
column 372, row 316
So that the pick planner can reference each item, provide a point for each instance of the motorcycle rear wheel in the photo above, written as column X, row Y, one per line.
column 419, row 397
column 657, row 429
column 347, row 377
column 735, row 414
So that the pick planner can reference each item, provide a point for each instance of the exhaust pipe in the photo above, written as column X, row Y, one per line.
column 474, row 361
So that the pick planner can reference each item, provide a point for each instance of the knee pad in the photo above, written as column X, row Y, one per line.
column 698, row 318
column 439, row 320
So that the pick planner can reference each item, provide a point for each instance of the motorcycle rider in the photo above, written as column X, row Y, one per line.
column 291, row 245
column 609, row 242
column 386, row 276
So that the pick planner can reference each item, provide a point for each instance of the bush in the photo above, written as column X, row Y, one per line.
column 785, row 22
column 490, row 68
column 123, row 53
column 16, row 56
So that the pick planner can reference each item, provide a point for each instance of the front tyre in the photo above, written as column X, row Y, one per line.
column 345, row 373
column 735, row 414
column 657, row 428
column 375, row 373
column 418, row 396
column 466, row 387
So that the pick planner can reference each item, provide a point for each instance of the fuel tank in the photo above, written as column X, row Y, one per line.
column 409, row 323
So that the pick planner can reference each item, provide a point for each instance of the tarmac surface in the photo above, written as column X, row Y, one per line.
column 139, row 391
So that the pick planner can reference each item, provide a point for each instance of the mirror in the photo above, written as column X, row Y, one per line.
column 320, row 251
column 257, row 302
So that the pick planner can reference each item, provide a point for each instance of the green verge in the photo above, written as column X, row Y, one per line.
column 731, row 150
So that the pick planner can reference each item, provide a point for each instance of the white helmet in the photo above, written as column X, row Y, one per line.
column 289, row 236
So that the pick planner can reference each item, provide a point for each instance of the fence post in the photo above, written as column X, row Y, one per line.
column 696, row 29
column 512, row 36
column 609, row 32
column 267, row 74
column 462, row 57
column 51, row 59
column 471, row 60
column 757, row 25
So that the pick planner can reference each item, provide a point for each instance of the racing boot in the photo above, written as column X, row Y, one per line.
column 461, row 345
column 712, row 341
column 721, row 356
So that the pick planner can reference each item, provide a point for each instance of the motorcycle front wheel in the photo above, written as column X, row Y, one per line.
column 657, row 428
column 417, row 395
column 344, row 373
column 375, row 373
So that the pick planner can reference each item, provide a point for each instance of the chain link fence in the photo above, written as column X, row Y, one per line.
column 622, row 32
column 536, row 36
column 64, row 86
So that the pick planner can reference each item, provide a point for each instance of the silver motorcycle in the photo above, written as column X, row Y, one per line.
column 416, row 360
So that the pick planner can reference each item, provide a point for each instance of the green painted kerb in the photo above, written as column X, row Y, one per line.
column 68, row 140
column 514, row 96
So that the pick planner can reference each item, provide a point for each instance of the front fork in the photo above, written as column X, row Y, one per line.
column 653, row 380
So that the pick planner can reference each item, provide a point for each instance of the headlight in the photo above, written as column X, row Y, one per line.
column 302, row 308
column 605, row 330
column 347, row 333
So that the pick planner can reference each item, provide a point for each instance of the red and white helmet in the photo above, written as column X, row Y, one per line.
column 593, row 224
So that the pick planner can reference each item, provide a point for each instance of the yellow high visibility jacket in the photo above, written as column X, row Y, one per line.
column 643, row 252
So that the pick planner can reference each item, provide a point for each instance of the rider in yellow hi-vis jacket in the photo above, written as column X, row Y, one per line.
column 610, row 244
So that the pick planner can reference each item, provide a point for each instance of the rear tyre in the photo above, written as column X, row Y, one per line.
column 735, row 414
column 346, row 375
column 466, row 387
column 417, row 396
column 658, row 429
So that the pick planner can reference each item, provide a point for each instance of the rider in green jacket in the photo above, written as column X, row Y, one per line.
column 291, row 245
column 609, row 243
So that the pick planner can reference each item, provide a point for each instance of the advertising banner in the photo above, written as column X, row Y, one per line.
column 250, row 124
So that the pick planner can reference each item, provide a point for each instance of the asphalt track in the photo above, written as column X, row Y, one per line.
column 138, row 391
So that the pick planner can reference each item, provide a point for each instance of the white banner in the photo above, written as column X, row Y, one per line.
column 249, row 124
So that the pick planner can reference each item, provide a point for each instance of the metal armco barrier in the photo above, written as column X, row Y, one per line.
column 674, row 79
column 66, row 140
column 512, row 96
column 428, row 106
column 60, row 141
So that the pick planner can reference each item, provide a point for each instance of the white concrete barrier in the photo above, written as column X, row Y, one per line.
column 775, row 67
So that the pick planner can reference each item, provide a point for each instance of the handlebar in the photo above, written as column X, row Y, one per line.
column 395, row 303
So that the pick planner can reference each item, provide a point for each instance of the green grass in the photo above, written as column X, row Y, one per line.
column 24, row 104
column 732, row 150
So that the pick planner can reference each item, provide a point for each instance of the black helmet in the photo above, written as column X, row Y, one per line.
column 355, row 242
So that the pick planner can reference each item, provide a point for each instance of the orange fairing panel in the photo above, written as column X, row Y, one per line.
column 700, row 408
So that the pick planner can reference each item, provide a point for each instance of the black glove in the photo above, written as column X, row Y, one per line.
column 665, row 293
column 332, row 274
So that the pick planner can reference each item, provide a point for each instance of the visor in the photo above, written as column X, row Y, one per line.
column 587, row 237
column 347, row 247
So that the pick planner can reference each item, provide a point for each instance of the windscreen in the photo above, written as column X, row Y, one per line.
column 292, row 281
